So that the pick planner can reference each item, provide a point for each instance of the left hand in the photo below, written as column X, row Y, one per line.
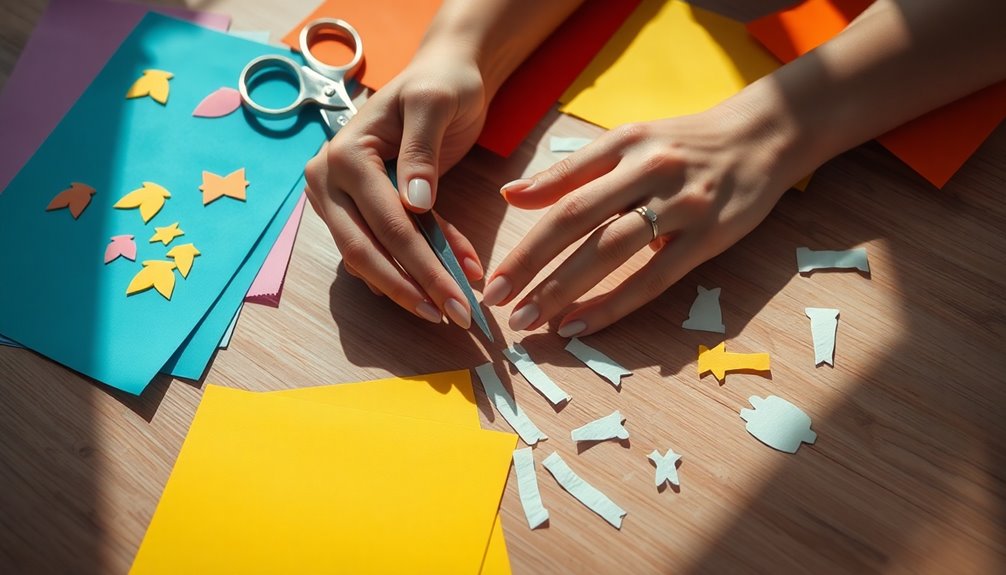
column 710, row 178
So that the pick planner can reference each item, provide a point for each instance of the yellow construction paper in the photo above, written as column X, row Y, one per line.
column 157, row 274
column 166, row 234
column 150, row 199
column 153, row 83
column 719, row 361
column 273, row 484
column 183, row 256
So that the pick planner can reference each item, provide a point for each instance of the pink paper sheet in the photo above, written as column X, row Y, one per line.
column 268, row 285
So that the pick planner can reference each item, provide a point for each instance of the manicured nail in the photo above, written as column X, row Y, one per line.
column 496, row 291
column 458, row 313
column 472, row 268
column 572, row 328
column 524, row 317
column 516, row 186
column 420, row 195
column 428, row 311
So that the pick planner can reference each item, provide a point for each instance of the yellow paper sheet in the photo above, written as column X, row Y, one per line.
column 335, row 489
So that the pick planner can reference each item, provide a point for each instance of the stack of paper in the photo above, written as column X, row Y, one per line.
column 388, row 476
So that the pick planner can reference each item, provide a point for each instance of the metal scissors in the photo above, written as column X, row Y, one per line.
column 324, row 86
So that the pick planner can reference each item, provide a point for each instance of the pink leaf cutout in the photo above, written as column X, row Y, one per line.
column 121, row 246
column 218, row 104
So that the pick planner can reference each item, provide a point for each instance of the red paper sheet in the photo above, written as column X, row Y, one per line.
column 391, row 31
column 936, row 144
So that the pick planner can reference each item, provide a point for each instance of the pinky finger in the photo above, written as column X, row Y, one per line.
column 357, row 275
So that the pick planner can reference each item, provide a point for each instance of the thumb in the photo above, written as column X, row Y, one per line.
column 423, row 129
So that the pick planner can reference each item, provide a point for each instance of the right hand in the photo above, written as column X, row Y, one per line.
column 429, row 116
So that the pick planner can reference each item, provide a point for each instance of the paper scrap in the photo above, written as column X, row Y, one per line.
column 778, row 423
column 220, row 103
column 527, row 487
column 157, row 274
column 608, row 427
column 150, row 199
column 166, row 234
column 121, row 246
column 719, row 362
column 519, row 357
column 232, row 185
column 260, row 36
column 808, row 260
column 76, row 198
column 507, row 407
column 667, row 467
column 597, row 361
column 584, row 492
column 183, row 255
column 823, row 327
column 153, row 83
column 705, row 314
column 559, row 144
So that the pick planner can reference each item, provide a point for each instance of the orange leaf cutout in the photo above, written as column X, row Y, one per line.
column 150, row 199
column 215, row 187
column 153, row 83
column 157, row 274
column 183, row 256
column 77, row 197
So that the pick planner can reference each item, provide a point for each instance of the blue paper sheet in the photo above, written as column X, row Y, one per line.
column 61, row 299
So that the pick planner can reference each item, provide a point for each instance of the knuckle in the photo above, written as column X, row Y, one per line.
column 418, row 152
column 427, row 95
column 355, row 254
column 632, row 133
column 394, row 230
column 615, row 245
column 659, row 161
column 523, row 266
column 397, row 292
column 551, row 295
column 571, row 209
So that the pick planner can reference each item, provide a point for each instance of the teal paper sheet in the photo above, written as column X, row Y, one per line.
column 58, row 297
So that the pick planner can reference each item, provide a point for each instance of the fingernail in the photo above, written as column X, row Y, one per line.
column 473, row 268
column 420, row 195
column 458, row 313
column 572, row 328
column 496, row 291
column 516, row 186
column 524, row 317
column 428, row 311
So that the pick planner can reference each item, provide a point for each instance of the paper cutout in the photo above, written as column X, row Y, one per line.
column 166, row 234
column 519, row 357
column 823, row 327
column 232, row 185
column 120, row 246
column 778, row 423
column 936, row 144
column 183, row 256
column 705, row 314
column 268, row 285
column 218, row 104
column 584, row 492
column 557, row 144
column 157, row 274
column 808, row 260
column 150, row 199
column 603, row 429
column 667, row 467
column 597, row 361
column 153, row 83
column 507, row 407
column 76, row 197
column 719, row 362
column 527, row 487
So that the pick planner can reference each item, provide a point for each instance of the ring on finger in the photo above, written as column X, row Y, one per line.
column 651, row 217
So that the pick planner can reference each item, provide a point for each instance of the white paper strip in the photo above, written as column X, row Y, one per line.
column 534, row 375
column 808, row 260
column 558, row 144
column 778, row 423
column 597, row 361
column 602, row 429
column 507, row 407
column 584, row 492
column 527, row 487
column 823, row 327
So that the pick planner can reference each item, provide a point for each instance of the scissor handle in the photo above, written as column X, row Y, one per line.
column 342, row 29
column 281, row 63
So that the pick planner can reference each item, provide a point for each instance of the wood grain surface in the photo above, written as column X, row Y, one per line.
column 907, row 475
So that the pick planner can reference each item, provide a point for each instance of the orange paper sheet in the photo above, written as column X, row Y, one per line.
column 935, row 145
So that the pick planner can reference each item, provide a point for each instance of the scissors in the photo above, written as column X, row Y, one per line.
column 324, row 86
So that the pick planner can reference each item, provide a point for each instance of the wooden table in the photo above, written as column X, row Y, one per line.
column 907, row 474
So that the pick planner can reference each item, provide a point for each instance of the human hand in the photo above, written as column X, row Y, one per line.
column 429, row 116
column 710, row 178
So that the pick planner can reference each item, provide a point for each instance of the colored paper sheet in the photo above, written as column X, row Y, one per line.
column 260, row 36
column 705, row 314
column 392, row 30
column 283, row 485
column 70, row 44
column 808, row 260
column 538, row 379
column 268, row 285
column 936, row 144
column 225, row 341
column 584, row 492
column 527, row 487
column 98, row 332
column 507, row 407
column 778, row 423
column 667, row 467
column 558, row 144
column 603, row 429
column 668, row 59
column 601, row 364
column 823, row 327
column 8, row 342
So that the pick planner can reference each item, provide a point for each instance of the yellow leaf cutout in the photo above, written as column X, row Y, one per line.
column 183, row 256
column 157, row 274
column 153, row 83
column 150, row 199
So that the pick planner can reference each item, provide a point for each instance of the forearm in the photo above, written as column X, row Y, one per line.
column 496, row 34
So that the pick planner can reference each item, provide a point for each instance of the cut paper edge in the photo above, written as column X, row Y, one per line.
column 778, row 423
column 808, row 260
column 220, row 103
column 527, row 488
column 603, row 429
column 560, row 144
column 585, row 493
column 601, row 364
column 823, row 329
column 705, row 313
column 507, row 406
column 667, row 467
column 519, row 357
